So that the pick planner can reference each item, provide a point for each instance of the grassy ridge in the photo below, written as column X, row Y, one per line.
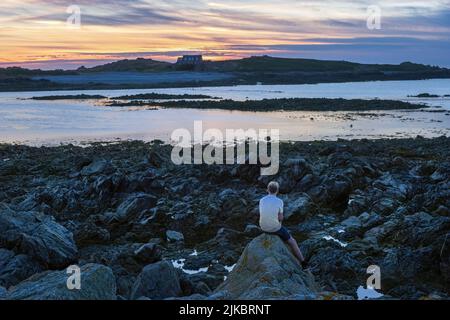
column 247, row 71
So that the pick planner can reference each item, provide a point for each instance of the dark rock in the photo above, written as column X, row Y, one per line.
column 385, row 206
column 306, row 183
column 210, row 280
column 91, row 233
column 422, row 229
column 252, row 230
column 335, row 265
column 97, row 283
column 393, row 186
column 135, row 205
column 125, row 284
column 333, row 192
column 97, row 167
column 16, row 268
column 174, row 236
column 157, row 281
column 406, row 265
column 443, row 211
column 266, row 270
column 298, row 207
column 352, row 226
column 3, row 293
column 37, row 236
column 148, row 253
column 231, row 201
column 292, row 171
column 370, row 220
column 339, row 159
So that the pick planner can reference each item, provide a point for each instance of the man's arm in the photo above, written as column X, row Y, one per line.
column 280, row 213
column 280, row 216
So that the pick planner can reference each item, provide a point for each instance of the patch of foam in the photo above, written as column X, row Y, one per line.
column 330, row 238
column 230, row 268
column 195, row 271
column 7, row 159
column 194, row 254
column 179, row 264
column 341, row 231
column 369, row 293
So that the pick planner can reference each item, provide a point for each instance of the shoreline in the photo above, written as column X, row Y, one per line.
column 89, row 142
column 55, row 86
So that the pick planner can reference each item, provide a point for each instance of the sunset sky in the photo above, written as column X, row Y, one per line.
column 34, row 33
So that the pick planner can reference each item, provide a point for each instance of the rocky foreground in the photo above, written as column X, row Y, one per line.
column 142, row 228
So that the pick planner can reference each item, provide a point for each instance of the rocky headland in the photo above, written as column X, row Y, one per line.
column 140, row 227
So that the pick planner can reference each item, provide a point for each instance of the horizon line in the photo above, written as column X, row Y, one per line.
column 101, row 62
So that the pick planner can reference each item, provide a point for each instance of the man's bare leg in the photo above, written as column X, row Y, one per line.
column 296, row 250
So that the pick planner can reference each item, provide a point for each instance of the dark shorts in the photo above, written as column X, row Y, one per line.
column 283, row 233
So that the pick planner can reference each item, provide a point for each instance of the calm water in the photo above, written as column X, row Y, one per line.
column 54, row 122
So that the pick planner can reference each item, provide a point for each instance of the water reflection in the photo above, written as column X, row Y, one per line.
column 52, row 122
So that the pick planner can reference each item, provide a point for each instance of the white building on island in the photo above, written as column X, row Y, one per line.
column 190, row 59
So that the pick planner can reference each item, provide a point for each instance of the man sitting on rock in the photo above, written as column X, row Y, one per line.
column 271, row 217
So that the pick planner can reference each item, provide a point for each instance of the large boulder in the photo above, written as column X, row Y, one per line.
column 298, row 207
column 174, row 236
column 134, row 205
column 407, row 265
column 267, row 270
column 97, row 283
column 38, row 236
column 16, row 268
column 157, row 281
column 97, row 167
column 231, row 201
column 3, row 293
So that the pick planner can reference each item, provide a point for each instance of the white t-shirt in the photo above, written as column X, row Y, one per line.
column 269, row 207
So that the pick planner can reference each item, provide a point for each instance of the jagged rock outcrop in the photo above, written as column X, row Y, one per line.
column 16, row 268
column 267, row 270
column 38, row 236
column 97, row 283
column 2, row 293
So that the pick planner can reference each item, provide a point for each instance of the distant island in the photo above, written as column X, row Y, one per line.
column 266, row 105
column 145, row 96
column 193, row 71
column 70, row 97
column 429, row 95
